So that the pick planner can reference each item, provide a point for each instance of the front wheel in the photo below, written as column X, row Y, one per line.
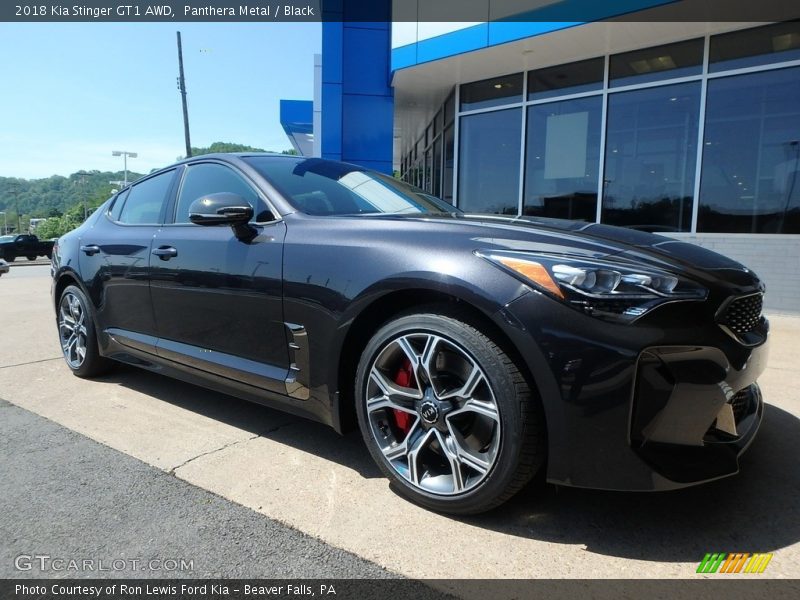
column 447, row 414
column 77, row 334
column 31, row 258
column 10, row 258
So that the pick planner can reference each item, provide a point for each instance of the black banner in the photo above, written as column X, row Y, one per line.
column 573, row 11
column 751, row 588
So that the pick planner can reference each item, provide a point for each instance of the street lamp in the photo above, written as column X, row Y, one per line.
column 125, row 154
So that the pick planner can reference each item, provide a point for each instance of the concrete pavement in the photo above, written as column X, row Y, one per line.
column 305, row 475
column 68, row 497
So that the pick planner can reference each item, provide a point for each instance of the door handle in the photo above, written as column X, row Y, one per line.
column 165, row 252
column 90, row 249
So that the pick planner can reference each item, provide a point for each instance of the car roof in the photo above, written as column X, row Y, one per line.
column 224, row 156
column 228, row 155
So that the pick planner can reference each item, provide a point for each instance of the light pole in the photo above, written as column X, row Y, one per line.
column 125, row 154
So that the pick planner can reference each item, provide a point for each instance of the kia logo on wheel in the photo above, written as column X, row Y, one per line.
column 429, row 412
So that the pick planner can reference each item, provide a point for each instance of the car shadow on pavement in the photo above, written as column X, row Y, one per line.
column 756, row 510
column 305, row 435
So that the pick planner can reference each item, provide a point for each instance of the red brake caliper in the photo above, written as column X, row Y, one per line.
column 404, row 378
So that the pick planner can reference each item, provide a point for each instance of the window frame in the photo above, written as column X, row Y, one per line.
column 173, row 207
column 168, row 197
column 705, row 75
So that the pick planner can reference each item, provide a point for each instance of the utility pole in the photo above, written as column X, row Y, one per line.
column 182, row 88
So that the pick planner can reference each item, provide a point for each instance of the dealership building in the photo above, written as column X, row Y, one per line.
column 636, row 114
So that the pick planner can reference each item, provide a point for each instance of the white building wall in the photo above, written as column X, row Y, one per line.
column 774, row 258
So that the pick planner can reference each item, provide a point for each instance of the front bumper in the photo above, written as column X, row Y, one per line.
column 655, row 406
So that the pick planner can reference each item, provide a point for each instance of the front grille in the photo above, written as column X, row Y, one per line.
column 740, row 403
column 742, row 315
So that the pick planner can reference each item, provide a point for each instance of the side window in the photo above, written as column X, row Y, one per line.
column 211, row 178
column 144, row 201
column 116, row 208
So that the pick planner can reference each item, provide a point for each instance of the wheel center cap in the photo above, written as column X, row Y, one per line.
column 429, row 408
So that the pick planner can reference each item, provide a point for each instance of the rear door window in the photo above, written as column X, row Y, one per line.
column 144, row 201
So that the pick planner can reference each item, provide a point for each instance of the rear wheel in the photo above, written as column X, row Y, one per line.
column 447, row 415
column 77, row 335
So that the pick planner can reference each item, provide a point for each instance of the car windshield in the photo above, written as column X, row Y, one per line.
column 322, row 187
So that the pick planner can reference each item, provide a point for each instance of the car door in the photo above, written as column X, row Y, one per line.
column 26, row 246
column 115, row 261
column 217, row 299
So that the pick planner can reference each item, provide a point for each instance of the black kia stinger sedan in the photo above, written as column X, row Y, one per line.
column 471, row 350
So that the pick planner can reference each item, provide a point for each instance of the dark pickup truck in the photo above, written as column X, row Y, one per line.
column 29, row 246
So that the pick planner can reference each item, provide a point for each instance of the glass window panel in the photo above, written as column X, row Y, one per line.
column 572, row 78
column 436, row 190
column 759, row 46
column 116, row 209
column 653, row 64
column 750, row 180
column 450, row 109
column 488, row 162
column 426, row 172
column 145, row 199
column 563, row 159
column 209, row 178
column 492, row 92
column 651, row 148
column 439, row 121
column 449, row 154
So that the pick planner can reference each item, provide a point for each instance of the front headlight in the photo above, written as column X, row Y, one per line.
column 611, row 289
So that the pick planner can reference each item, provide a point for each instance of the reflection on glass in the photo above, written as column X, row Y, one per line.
column 583, row 76
column 758, row 46
column 651, row 148
column 751, row 159
column 492, row 92
column 450, row 109
column 426, row 177
column 449, row 142
column 488, row 162
column 326, row 188
column 653, row 64
column 436, row 190
column 562, row 160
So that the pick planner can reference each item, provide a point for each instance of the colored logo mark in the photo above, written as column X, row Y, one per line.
column 734, row 562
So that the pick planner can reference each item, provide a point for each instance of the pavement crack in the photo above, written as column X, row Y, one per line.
column 267, row 431
column 31, row 362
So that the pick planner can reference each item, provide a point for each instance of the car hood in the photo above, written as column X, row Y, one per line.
column 593, row 240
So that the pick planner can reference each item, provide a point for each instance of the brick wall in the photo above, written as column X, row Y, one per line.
column 775, row 258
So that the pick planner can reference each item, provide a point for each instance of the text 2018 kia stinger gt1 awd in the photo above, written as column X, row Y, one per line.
column 471, row 350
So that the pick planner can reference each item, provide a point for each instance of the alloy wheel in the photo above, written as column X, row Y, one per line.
column 72, row 329
column 433, row 413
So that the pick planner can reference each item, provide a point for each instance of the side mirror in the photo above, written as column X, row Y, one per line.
column 220, row 209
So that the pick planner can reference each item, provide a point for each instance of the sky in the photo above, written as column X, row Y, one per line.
column 70, row 93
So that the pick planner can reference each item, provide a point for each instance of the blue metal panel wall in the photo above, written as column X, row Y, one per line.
column 357, row 100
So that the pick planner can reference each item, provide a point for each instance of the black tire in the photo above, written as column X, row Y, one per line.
column 91, row 364
column 10, row 258
column 31, row 257
column 518, row 422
